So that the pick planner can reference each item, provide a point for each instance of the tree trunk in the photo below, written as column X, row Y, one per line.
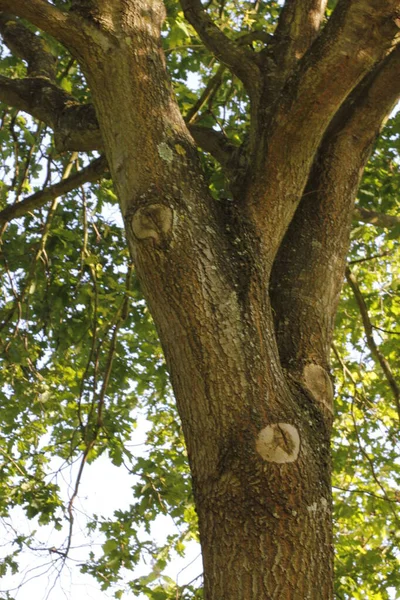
column 258, row 444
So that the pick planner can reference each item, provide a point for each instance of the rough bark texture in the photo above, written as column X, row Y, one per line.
column 251, row 376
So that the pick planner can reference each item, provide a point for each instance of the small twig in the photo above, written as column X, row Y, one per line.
column 370, row 461
column 367, row 258
column 388, row 331
column 212, row 86
column 367, row 492
column 368, row 328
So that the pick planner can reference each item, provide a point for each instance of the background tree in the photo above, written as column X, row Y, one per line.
column 237, row 200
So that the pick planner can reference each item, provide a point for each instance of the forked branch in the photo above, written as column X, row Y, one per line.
column 232, row 54
column 358, row 36
column 316, row 242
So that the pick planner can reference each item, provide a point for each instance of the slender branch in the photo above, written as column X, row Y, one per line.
column 212, row 86
column 91, row 173
column 360, row 397
column 368, row 328
column 368, row 258
column 385, row 498
column 238, row 59
column 375, row 218
column 70, row 506
column 388, row 331
column 368, row 459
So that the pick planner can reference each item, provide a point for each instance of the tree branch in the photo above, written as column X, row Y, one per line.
column 358, row 36
column 238, row 59
column 212, row 86
column 89, row 174
column 75, row 125
column 65, row 27
column 25, row 44
column 368, row 328
column 216, row 143
column 375, row 218
column 309, row 268
column 298, row 26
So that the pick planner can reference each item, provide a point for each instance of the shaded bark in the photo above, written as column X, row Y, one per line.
column 309, row 269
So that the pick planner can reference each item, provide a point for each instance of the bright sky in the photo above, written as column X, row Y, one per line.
column 104, row 489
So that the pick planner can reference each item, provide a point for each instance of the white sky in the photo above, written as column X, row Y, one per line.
column 104, row 489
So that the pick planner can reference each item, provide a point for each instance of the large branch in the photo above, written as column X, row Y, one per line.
column 75, row 125
column 232, row 54
column 308, row 271
column 298, row 26
column 65, row 27
column 89, row 174
column 28, row 46
column 358, row 36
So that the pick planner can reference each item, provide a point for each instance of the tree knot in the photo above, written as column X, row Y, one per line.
column 278, row 443
column 153, row 222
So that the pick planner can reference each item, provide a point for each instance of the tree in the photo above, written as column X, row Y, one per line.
column 240, row 252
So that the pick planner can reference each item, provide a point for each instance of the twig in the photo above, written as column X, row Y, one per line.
column 367, row 258
column 368, row 328
column 370, row 462
column 212, row 86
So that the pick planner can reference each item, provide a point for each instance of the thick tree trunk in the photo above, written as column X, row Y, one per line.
column 265, row 540
column 258, row 443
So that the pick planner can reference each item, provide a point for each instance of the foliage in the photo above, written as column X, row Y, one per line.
column 82, row 366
